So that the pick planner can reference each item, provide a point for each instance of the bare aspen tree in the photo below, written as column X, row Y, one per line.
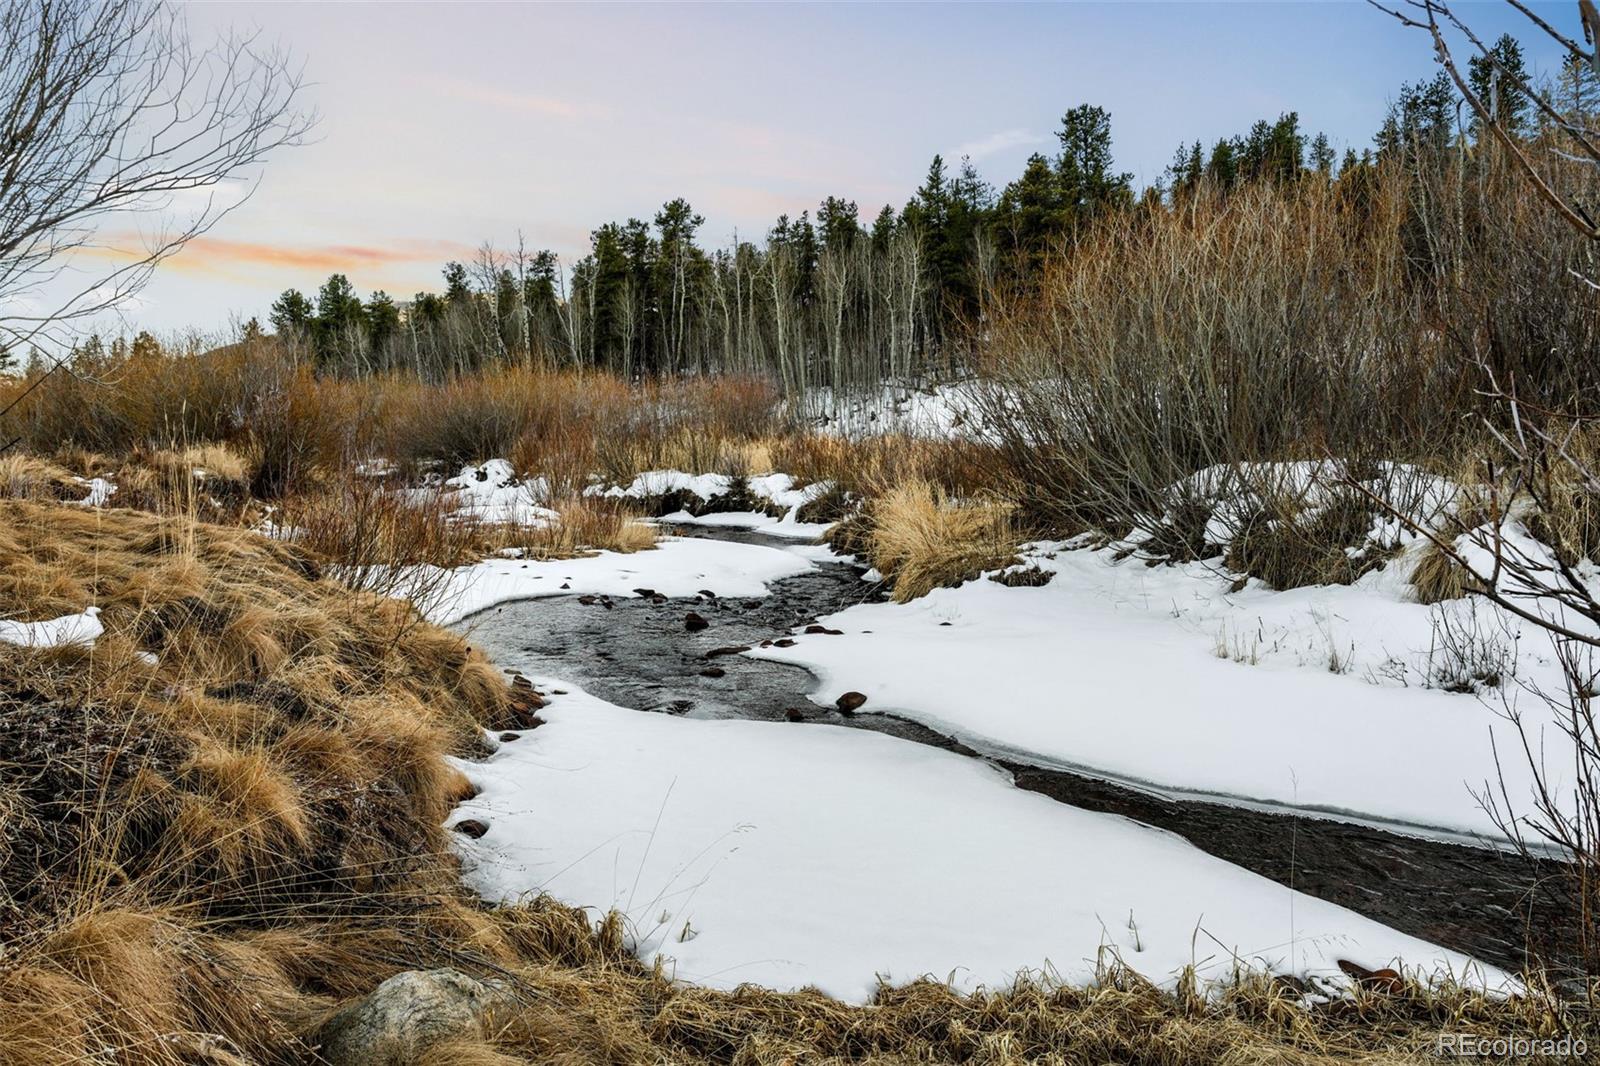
column 108, row 109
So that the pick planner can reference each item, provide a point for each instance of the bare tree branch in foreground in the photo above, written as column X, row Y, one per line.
column 108, row 111
column 1547, row 585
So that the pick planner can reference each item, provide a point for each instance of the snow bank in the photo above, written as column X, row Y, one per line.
column 73, row 629
column 677, row 566
column 1329, row 699
column 798, row 855
column 492, row 493
column 778, row 490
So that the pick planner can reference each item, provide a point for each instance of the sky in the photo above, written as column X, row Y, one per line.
column 447, row 125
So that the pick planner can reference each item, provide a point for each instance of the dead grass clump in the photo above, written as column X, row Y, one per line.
column 25, row 477
column 922, row 539
column 583, row 524
column 1436, row 577
column 1288, row 544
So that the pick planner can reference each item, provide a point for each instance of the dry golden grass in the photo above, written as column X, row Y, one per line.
column 921, row 539
column 26, row 477
column 585, row 524
column 1436, row 577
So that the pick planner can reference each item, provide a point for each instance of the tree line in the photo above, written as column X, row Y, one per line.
column 837, row 299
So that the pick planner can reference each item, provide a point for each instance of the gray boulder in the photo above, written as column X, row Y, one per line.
column 408, row 1014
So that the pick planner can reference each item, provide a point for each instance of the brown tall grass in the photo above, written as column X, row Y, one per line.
column 296, row 429
column 920, row 539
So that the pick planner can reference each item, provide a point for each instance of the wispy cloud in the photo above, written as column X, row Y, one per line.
column 998, row 142
column 534, row 103
column 205, row 253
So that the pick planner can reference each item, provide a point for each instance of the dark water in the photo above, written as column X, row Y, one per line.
column 640, row 653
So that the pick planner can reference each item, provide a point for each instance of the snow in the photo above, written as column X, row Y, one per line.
column 1234, row 494
column 755, row 521
column 777, row 489
column 943, row 410
column 815, row 855
column 677, row 566
column 68, row 630
column 492, row 493
column 100, row 492
column 1160, row 675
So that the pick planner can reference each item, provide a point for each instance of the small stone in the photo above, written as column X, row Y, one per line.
column 648, row 594
column 824, row 630
column 849, row 702
column 694, row 623
column 506, row 738
column 794, row 714
column 713, row 671
column 587, row 601
column 783, row 642
column 717, row 653
column 471, row 827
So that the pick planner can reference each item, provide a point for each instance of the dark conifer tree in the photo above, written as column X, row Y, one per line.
column 1498, row 78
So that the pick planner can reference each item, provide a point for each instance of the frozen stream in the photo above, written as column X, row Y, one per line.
column 640, row 653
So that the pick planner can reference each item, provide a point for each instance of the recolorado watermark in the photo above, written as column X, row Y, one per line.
column 1472, row 1046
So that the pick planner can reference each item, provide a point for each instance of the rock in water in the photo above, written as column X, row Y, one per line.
column 850, row 702
column 408, row 1014
column 694, row 623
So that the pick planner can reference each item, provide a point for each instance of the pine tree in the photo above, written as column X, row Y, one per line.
column 882, row 230
column 1498, row 78
column 838, row 222
column 1032, row 213
column 1223, row 166
column 1321, row 155
column 340, row 327
column 456, row 289
column 383, row 321
column 1577, row 90
column 1421, row 121
column 292, row 314
column 1187, row 168
column 1085, row 164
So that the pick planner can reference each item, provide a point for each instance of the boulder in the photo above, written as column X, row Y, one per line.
column 410, row 1013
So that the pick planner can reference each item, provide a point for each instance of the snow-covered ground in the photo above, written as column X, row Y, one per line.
column 1330, row 698
column 942, row 411
column 795, row 855
column 676, row 566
